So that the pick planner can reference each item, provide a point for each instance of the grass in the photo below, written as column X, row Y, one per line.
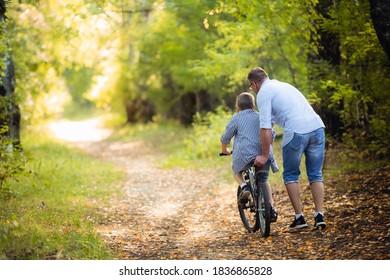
column 163, row 138
column 51, row 214
column 339, row 160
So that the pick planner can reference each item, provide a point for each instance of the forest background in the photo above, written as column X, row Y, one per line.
column 143, row 61
column 182, row 63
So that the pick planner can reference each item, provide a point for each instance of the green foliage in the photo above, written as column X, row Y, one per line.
column 145, row 59
column 204, row 142
column 3, row 49
column 53, row 211
column 78, row 80
column 12, row 162
column 65, row 44
column 355, row 91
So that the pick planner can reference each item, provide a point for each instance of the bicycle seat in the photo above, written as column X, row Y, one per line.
column 250, row 165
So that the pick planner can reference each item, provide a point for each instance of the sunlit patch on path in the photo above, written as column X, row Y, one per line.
column 80, row 131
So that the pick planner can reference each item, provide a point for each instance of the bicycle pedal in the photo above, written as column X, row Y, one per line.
column 243, row 201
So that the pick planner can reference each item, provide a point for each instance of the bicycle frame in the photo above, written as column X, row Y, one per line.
column 249, row 175
column 261, row 205
column 255, row 213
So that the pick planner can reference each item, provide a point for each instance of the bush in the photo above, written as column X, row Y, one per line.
column 12, row 161
column 204, row 143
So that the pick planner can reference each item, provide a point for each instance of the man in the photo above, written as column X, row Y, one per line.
column 303, row 134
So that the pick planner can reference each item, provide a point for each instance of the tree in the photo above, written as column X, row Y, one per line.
column 324, row 64
column 9, row 109
column 380, row 14
column 350, row 76
column 143, row 59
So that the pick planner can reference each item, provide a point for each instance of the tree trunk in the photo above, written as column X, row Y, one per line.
column 329, row 44
column 9, row 110
column 328, row 47
column 380, row 15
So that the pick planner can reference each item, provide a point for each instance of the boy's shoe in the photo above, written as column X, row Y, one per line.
column 245, row 193
column 299, row 223
column 274, row 215
column 319, row 221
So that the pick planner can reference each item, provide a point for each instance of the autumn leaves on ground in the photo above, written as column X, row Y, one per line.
column 185, row 214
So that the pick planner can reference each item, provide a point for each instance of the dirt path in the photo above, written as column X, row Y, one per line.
column 183, row 214
column 165, row 214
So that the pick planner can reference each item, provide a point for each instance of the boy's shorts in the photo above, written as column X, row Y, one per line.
column 313, row 146
column 263, row 172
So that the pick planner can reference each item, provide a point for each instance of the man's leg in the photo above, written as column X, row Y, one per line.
column 292, row 155
column 295, row 197
column 314, row 160
column 317, row 191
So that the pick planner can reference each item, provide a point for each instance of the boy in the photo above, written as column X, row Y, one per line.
column 244, row 127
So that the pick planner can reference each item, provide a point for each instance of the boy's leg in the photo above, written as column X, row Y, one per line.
column 239, row 178
column 269, row 190
column 263, row 174
column 274, row 214
column 245, row 191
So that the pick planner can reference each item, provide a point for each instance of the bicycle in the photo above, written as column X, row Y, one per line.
column 255, row 211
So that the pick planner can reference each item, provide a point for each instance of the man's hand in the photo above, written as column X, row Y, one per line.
column 260, row 160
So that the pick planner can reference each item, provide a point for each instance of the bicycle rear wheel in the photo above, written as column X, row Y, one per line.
column 248, row 213
column 264, row 210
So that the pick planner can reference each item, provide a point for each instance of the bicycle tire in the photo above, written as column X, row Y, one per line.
column 264, row 210
column 248, row 213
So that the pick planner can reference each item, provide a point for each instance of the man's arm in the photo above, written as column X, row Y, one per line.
column 266, row 140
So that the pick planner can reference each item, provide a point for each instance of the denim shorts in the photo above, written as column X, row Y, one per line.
column 313, row 146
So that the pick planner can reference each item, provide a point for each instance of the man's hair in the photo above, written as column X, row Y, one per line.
column 257, row 75
column 245, row 101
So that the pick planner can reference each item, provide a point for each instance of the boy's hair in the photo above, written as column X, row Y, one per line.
column 245, row 101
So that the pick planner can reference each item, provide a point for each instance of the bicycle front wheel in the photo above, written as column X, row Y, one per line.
column 248, row 213
column 264, row 210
